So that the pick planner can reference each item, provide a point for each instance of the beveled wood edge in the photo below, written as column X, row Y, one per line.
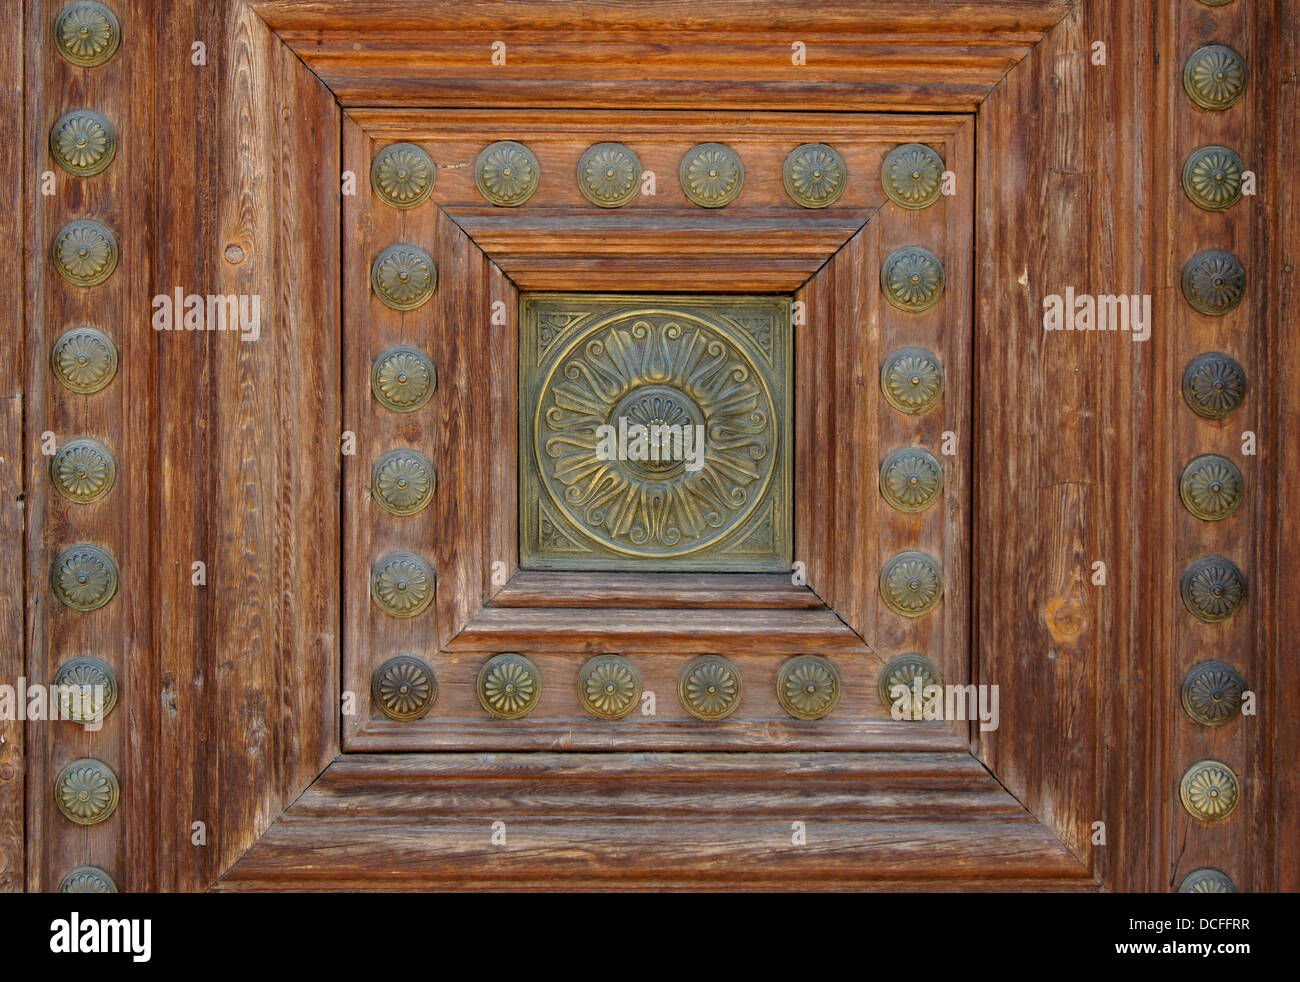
column 687, row 821
column 748, row 591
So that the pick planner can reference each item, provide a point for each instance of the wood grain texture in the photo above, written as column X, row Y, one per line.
column 899, row 55
column 12, row 359
column 746, row 591
column 626, row 821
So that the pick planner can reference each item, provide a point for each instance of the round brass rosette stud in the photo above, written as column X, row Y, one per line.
column 1213, row 588
column 912, row 380
column 911, row 479
column 84, row 577
column 808, row 687
column 403, row 378
column 609, row 175
column 403, row 276
column 404, row 688
column 911, row 584
column 815, row 175
column 912, row 279
column 1214, row 385
column 83, row 142
column 912, row 175
column 401, row 584
column 1212, row 178
column 509, row 685
column 84, row 360
column 609, row 686
column 903, row 685
column 87, row 879
column 402, row 482
column 85, row 252
column 402, row 175
column 711, row 175
column 1211, row 487
column 1214, row 76
column 1211, row 693
column 83, row 470
column 91, row 689
column 710, row 687
column 87, row 33
column 86, row 791
column 1209, row 790
column 507, row 173
column 1214, row 282
column 1207, row 880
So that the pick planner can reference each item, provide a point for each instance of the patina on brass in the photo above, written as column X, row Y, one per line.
column 1214, row 282
column 1211, row 693
column 912, row 380
column 1211, row 487
column 1212, row 178
column 86, row 791
column 711, row 174
column 1209, row 790
column 89, row 689
column 609, row 175
column 912, row 278
column 87, row 33
column 815, row 175
column 84, row 360
column 509, row 685
column 710, row 687
column 1207, row 880
column 403, row 276
column 402, row 175
column 1214, row 385
column 87, row 879
column 404, row 688
column 1214, row 76
column 402, row 482
column 85, row 252
column 403, row 378
column 912, row 175
column 83, row 142
column 808, row 687
column 903, row 684
column 83, row 470
column 507, row 173
column 911, row 479
column 609, row 686
column 402, row 584
column 84, row 577
column 1213, row 588
column 655, row 367
column 911, row 584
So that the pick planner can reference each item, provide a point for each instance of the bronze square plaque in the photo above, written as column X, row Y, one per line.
column 655, row 432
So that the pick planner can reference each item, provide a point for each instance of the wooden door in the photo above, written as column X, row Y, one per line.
column 954, row 599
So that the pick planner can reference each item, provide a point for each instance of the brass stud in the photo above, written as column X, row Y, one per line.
column 87, row 879
column 403, row 378
column 815, row 175
column 85, row 252
column 1214, row 385
column 911, row 479
column 808, row 687
column 404, row 688
column 84, row 577
column 1207, row 880
column 1214, row 282
column 86, row 791
column 1216, row 3
column 912, row 175
column 912, row 380
column 83, row 470
column 912, row 279
column 507, row 173
column 609, row 686
column 402, row 482
column 402, row 584
column 88, row 690
column 84, row 360
column 1214, row 76
column 1212, row 178
column 83, row 142
column 86, row 33
column 609, row 175
column 1211, row 693
column 1209, row 790
column 403, row 276
column 509, row 686
column 905, row 686
column 710, row 687
column 1211, row 487
column 711, row 175
column 911, row 584
column 1213, row 588
column 402, row 175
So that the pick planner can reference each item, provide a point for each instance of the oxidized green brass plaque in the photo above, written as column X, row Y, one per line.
column 655, row 432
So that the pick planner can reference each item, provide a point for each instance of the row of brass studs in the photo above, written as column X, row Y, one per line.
column 85, row 577
column 1214, row 386
column 507, row 174
column 710, row 687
